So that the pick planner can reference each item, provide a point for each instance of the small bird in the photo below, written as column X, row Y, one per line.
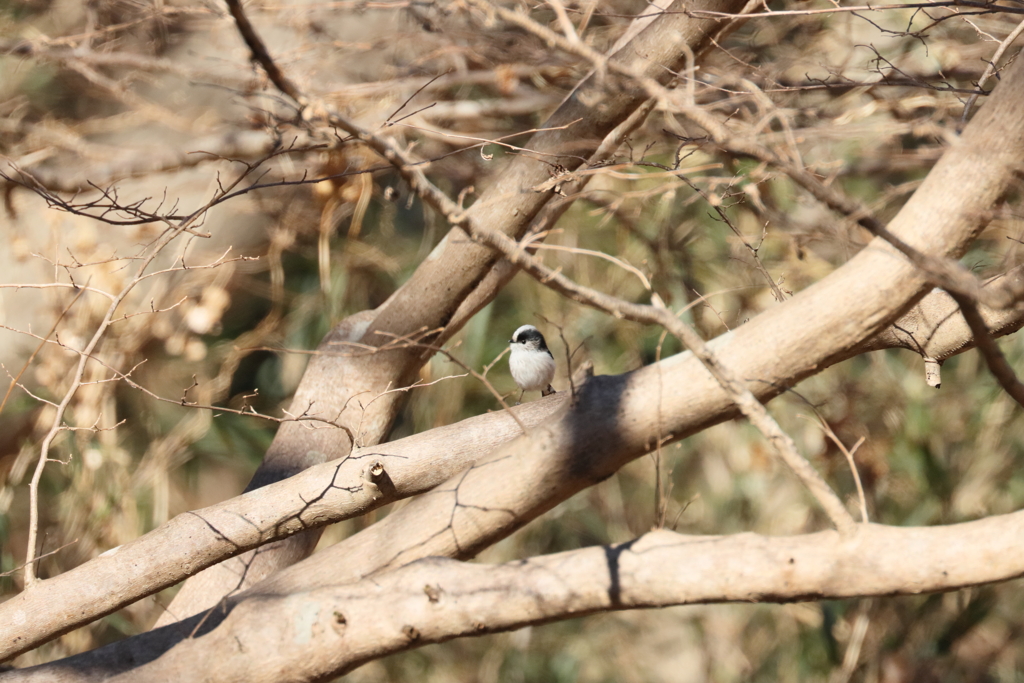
column 530, row 362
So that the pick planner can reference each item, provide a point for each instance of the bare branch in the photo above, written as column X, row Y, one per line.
column 321, row 495
column 457, row 279
column 994, row 358
column 659, row 315
column 392, row 612
column 335, row 628
column 990, row 70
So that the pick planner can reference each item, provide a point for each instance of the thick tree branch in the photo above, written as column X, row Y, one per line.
column 321, row 495
column 936, row 330
column 617, row 419
column 442, row 284
column 335, row 628
column 332, row 630
column 733, row 385
column 614, row 419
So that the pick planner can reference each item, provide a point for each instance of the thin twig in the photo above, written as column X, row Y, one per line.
column 724, row 217
column 260, row 53
column 987, row 7
column 41, row 557
column 60, row 285
column 453, row 358
column 16, row 378
column 991, row 68
column 990, row 351
column 599, row 254
column 391, row 152
column 568, row 357
column 173, row 231
column 946, row 273
column 657, row 314
column 563, row 21
column 853, row 647
column 848, row 453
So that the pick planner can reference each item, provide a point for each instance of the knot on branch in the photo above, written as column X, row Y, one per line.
column 433, row 593
column 378, row 480
column 933, row 372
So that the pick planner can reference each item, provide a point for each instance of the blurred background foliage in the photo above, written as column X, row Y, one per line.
column 132, row 93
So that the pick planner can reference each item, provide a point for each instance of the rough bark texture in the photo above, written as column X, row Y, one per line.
column 320, row 495
column 935, row 329
column 330, row 631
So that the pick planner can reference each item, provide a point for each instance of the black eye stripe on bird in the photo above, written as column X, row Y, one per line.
column 531, row 363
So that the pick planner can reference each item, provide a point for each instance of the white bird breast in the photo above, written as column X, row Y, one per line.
column 532, row 370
